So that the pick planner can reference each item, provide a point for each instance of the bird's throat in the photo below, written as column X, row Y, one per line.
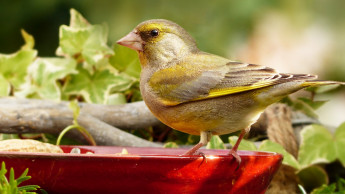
column 142, row 58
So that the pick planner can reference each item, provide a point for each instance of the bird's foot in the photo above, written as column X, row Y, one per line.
column 233, row 150
column 193, row 150
column 196, row 153
column 236, row 157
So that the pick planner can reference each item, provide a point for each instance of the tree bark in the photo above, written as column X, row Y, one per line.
column 44, row 116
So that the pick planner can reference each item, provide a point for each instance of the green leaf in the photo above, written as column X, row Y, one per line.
column 326, row 88
column 43, row 77
column 28, row 188
column 29, row 41
column 341, row 184
column 126, row 60
column 5, row 86
column 11, row 186
column 270, row 146
column 193, row 139
column 124, row 151
column 267, row 146
column 314, row 104
column 215, row 143
column 12, row 182
column 3, row 172
column 135, row 93
column 338, row 187
column 287, row 100
column 244, row 145
column 339, row 137
column 117, row 98
column 13, row 67
column 21, row 179
column 77, row 20
column 170, row 145
column 325, row 189
column 317, row 145
column 304, row 107
column 123, row 83
column 4, row 136
column 84, row 42
column 313, row 177
column 95, row 88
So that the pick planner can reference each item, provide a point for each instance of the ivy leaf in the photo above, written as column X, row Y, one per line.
column 77, row 20
column 339, row 136
column 323, row 89
column 289, row 159
column 85, row 42
column 28, row 39
column 314, row 104
column 44, row 74
column 313, row 177
column 302, row 105
column 170, row 145
column 117, row 98
column 215, row 143
column 126, row 60
column 193, row 139
column 95, row 88
column 13, row 66
column 319, row 146
column 123, row 83
column 244, row 145
column 267, row 146
column 341, row 184
column 5, row 86
column 325, row 189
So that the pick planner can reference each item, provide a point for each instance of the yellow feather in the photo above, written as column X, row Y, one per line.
column 226, row 91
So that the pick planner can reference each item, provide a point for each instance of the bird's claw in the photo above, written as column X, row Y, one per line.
column 196, row 154
column 203, row 157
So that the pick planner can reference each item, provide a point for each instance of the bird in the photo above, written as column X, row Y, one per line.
column 201, row 93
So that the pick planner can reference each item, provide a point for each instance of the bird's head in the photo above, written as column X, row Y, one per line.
column 159, row 40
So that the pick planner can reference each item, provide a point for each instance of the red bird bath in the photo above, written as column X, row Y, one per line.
column 145, row 170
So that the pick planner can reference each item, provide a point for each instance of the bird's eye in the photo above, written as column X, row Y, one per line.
column 154, row 33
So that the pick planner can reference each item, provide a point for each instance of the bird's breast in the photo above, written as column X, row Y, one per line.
column 220, row 115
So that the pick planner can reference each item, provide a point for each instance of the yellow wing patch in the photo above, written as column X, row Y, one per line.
column 226, row 91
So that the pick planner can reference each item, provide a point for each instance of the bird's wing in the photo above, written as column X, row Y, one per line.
column 209, row 76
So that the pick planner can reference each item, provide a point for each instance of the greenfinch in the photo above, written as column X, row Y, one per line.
column 200, row 93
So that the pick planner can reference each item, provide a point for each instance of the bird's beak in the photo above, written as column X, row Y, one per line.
column 133, row 41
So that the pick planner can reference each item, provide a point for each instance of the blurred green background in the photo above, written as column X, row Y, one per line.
column 292, row 36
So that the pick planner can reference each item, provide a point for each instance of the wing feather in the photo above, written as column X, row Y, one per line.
column 205, row 76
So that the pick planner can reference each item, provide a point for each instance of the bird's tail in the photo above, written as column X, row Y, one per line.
column 279, row 91
column 309, row 83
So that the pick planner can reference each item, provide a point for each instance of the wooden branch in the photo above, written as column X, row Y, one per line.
column 43, row 116
column 128, row 116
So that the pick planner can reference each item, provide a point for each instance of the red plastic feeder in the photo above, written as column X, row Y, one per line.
column 145, row 170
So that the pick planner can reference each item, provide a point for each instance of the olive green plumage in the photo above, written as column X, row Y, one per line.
column 201, row 93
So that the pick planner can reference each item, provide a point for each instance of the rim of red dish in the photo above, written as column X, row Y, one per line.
column 139, row 152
